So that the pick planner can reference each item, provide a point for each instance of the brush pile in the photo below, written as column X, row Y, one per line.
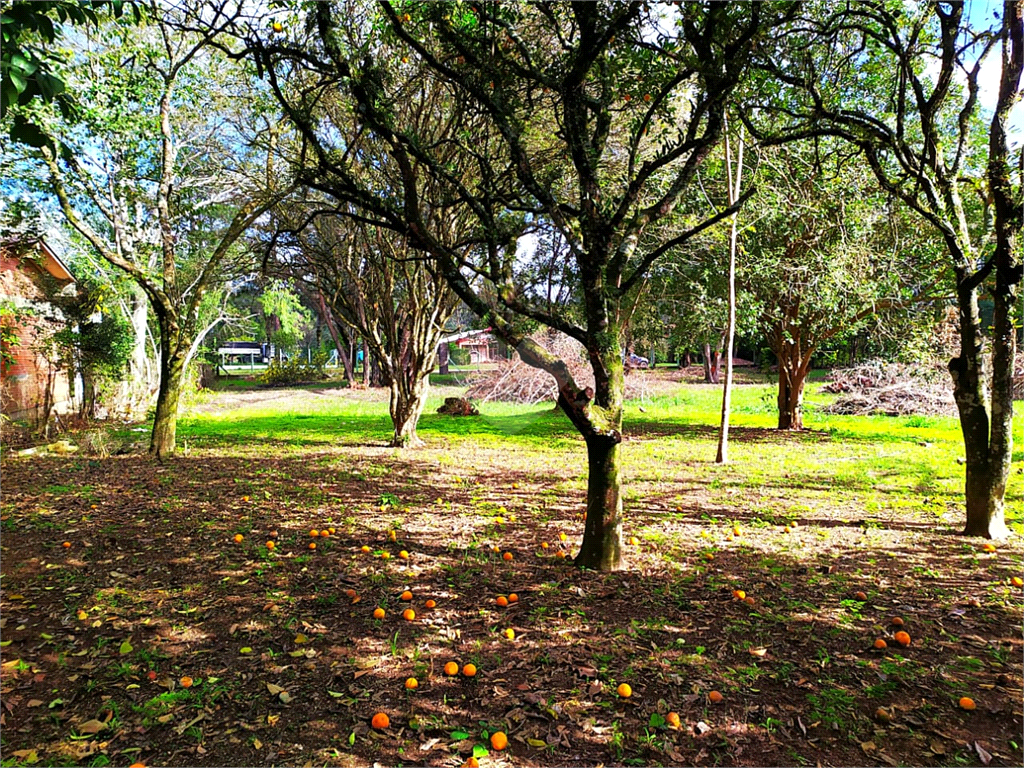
column 894, row 389
column 513, row 381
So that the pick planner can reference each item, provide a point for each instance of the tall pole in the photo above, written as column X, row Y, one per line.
column 730, row 330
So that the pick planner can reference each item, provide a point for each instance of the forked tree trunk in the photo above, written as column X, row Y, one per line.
column 407, row 401
column 793, row 369
column 987, row 469
column 165, row 424
column 709, row 374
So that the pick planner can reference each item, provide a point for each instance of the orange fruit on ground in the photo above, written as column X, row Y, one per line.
column 736, row 530
column 709, row 557
column 407, row 596
column 185, row 682
column 393, row 535
column 1017, row 581
column 967, row 703
column 624, row 691
column 469, row 670
column 324, row 533
column 471, row 763
column 988, row 547
column 312, row 545
column 403, row 555
column 510, row 633
column 272, row 534
column 430, row 604
column 793, row 524
column 314, row 533
column 562, row 537
column 270, row 545
column 673, row 719
column 380, row 721
column 378, row 613
column 507, row 556
column 739, row 594
column 137, row 765
column 544, row 545
column 499, row 740
column 364, row 548
column 385, row 555
column 502, row 601
column 411, row 683
column 451, row 668
column 715, row 697
column 350, row 593
column 897, row 621
column 330, row 531
column 66, row 545
column 408, row 614
column 902, row 638
column 861, row 596
column 880, row 644
column 560, row 555
column 634, row 541
column 238, row 538
column 513, row 598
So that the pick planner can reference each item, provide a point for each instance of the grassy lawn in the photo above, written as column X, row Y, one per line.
column 288, row 669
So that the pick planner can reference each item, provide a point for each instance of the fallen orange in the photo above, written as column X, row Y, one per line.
column 861, row 596
column 633, row 540
column 502, row 601
column 967, row 703
column 403, row 555
column 510, row 633
column 430, row 604
column 513, row 598
column 66, row 545
column 408, row 614
column 562, row 537
column 314, row 533
column 1017, row 581
column 364, row 548
column 451, row 668
column 411, row 683
column 312, row 545
column 469, row 670
column 624, row 691
column 499, row 740
column 902, row 638
column 471, row 763
column 507, row 556
column 378, row 613
column 715, row 697
column 385, row 555
column 324, row 533
column 380, row 721
column 739, row 594
column 350, row 593
column 238, row 538
column 185, row 682
column 988, row 547
column 407, row 596
column 673, row 720
column 270, row 545
column 897, row 621
column 748, row 600
column 880, row 644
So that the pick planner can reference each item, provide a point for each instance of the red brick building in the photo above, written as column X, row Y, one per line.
column 31, row 384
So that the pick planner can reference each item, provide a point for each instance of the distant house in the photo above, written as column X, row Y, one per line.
column 481, row 345
column 242, row 352
column 32, row 385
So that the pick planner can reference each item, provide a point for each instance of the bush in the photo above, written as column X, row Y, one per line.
column 295, row 371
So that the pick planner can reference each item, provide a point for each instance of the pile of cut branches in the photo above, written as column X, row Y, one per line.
column 513, row 381
column 895, row 389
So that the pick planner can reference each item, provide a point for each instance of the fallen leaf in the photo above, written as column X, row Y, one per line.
column 257, row 744
column 35, row 702
column 868, row 747
column 360, row 673
column 91, row 727
column 284, row 697
column 984, row 756
column 126, row 647
column 300, row 639
column 274, row 689
column 759, row 652
column 26, row 755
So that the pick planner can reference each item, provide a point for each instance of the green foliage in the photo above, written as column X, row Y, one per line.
column 11, row 318
column 284, row 317
column 294, row 371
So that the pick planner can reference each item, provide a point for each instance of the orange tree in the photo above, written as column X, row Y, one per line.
column 588, row 119
column 904, row 86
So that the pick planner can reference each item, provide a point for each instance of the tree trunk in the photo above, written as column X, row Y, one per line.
column 442, row 358
column 406, row 406
column 792, row 374
column 165, row 424
column 686, row 361
column 716, row 366
column 602, row 536
column 708, row 373
column 366, row 364
column 987, row 470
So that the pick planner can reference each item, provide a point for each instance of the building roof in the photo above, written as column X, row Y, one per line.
column 50, row 261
